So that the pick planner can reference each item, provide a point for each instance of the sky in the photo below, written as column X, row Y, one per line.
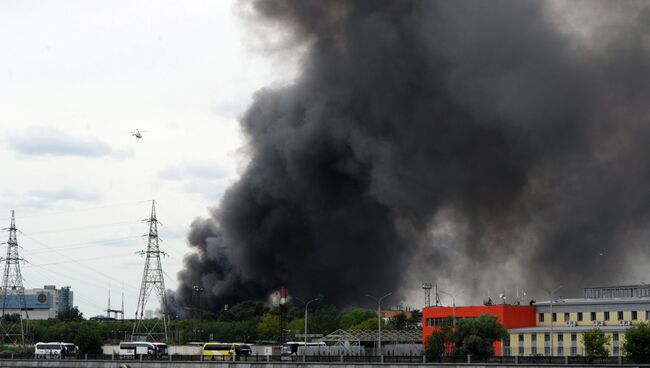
column 77, row 77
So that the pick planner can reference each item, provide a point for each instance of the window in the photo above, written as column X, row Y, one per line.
column 579, row 316
column 547, row 337
column 560, row 338
column 620, row 315
column 616, row 352
column 567, row 316
column 574, row 337
column 533, row 338
column 574, row 351
column 593, row 316
column 647, row 315
column 541, row 317
column 533, row 350
column 606, row 316
column 554, row 317
column 634, row 316
column 615, row 336
column 521, row 337
column 560, row 350
column 547, row 351
column 521, row 350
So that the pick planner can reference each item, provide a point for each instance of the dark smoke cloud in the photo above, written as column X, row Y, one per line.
column 480, row 142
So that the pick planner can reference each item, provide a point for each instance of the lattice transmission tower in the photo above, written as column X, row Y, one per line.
column 13, row 328
column 152, row 282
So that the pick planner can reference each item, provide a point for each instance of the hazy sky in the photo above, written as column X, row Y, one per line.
column 76, row 77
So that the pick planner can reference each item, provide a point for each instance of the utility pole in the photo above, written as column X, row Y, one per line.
column 13, row 292
column 306, row 306
column 551, row 308
column 378, row 300
column 152, row 282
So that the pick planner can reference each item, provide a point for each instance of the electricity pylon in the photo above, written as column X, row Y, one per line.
column 13, row 327
column 152, row 282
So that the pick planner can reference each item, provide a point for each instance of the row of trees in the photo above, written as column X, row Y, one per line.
column 247, row 321
column 636, row 343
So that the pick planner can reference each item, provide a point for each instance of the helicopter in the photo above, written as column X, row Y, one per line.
column 138, row 133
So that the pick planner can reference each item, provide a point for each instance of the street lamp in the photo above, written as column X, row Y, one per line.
column 551, row 308
column 453, row 300
column 306, row 305
column 378, row 300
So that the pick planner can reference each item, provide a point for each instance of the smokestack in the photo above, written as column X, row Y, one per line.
column 470, row 142
column 283, row 295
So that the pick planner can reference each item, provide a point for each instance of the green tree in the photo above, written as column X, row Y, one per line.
column 595, row 344
column 369, row 324
column 435, row 346
column 69, row 314
column 269, row 327
column 244, row 311
column 88, row 340
column 323, row 320
column 399, row 322
column 637, row 342
column 354, row 316
column 297, row 325
column 475, row 336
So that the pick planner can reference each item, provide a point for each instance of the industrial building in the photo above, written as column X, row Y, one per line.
column 41, row 304
column 554, row 327
column 510, row 316
column 560, row 323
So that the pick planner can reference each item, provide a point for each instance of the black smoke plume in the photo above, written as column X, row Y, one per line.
column 477, row 143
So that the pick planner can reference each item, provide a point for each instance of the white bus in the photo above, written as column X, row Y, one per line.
column 143, row 350
column 290, row 349
column 54, row 350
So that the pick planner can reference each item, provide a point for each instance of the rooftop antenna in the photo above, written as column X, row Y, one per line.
column 13, row 292
column 437, row 297
column 152, row 282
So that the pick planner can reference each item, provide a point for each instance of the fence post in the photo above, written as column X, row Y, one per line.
column 620, row 360
column 516, row 359
column 424, row 359
column 268, row 358
column 469, row 359
column 381, row 358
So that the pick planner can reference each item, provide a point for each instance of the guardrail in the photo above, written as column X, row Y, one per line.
column 386, row 359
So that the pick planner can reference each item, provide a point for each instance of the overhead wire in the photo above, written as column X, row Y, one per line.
column 49, row 213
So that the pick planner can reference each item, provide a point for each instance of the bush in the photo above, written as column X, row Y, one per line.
column 435, row 346
column 637, row 342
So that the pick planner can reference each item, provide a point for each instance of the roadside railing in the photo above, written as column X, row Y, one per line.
column 386, row 359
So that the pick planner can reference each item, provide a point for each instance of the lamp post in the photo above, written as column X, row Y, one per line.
column 551, row 308
column 306, row 305
column 378, row 300
column 453, row 300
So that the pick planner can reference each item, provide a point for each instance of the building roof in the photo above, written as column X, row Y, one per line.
column 590, row 301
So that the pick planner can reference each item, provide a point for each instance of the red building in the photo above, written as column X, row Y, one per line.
column 510, row 316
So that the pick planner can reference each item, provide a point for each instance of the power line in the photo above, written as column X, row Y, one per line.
column 84, row 227
column 75, row 261
column 49, row 213
column 82, row 245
